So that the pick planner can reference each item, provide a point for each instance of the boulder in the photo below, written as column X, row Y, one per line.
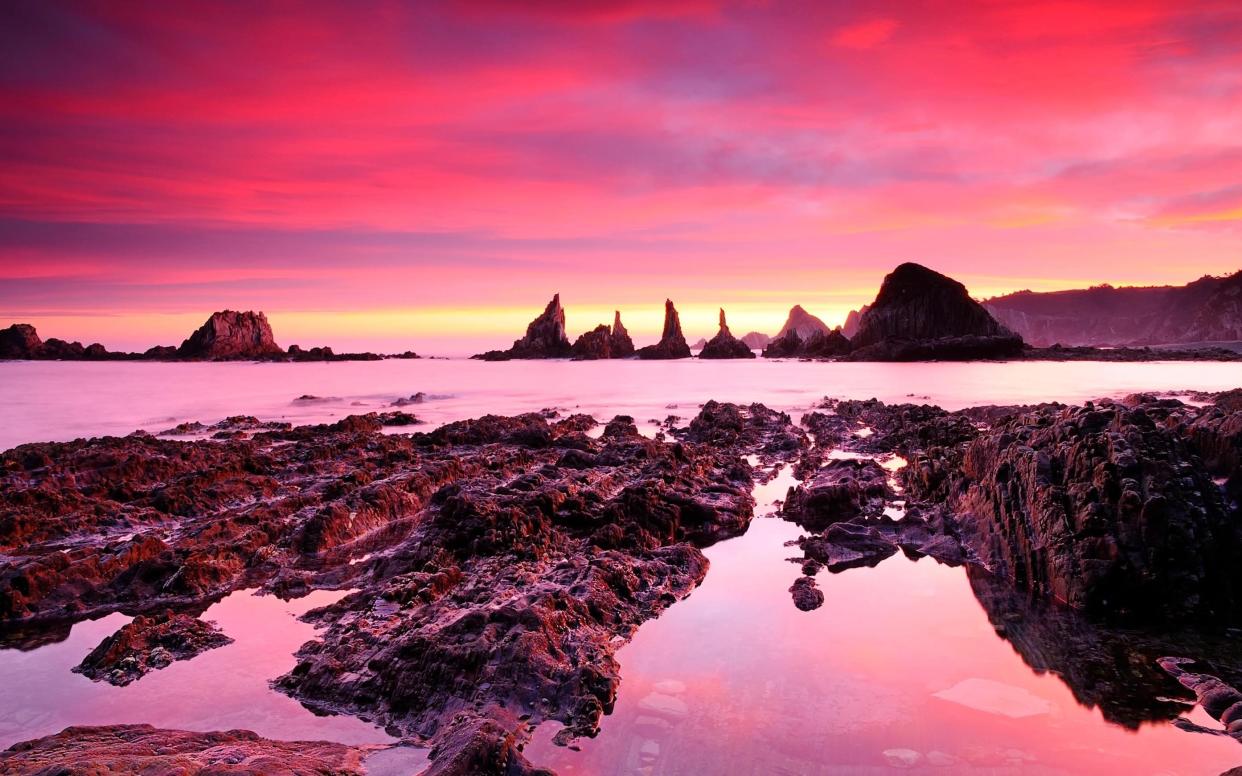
column 20, row 341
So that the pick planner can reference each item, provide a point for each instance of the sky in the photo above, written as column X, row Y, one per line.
column 425, row 175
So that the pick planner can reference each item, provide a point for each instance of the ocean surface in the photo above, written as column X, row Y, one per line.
column 901, row 669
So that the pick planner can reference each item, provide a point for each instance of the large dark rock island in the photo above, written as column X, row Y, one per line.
column 545, row 337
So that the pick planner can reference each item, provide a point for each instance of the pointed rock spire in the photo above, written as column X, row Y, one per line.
column 725, row 345
column 672, row 343
column 545, row 337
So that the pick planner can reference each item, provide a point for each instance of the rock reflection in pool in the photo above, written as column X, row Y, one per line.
column 735, row 679
column 223, row 689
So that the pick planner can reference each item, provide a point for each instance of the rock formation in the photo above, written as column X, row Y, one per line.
column 1206, row 310
column 148, row 644
column 498, row 563
column 20, row 341
column 231, row 335
column 130, row 749
column 920, row 314
column 853, row 320
column 545, row 337
column 1108, row 508
column 672, row 342
column 604, row 342
column 802, row 322
column 755, row 340
column 832, row 344
column 725, row 345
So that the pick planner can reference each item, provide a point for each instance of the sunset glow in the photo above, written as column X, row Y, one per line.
column 426, row 175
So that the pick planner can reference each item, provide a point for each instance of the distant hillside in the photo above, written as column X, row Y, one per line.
column 1207, row 310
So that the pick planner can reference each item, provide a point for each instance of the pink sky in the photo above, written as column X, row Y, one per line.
column 427, row 174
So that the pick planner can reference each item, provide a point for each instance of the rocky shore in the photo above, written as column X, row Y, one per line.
column 227, row 335
column 498, row 564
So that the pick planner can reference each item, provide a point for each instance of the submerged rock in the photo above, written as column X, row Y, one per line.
column 672, row 342
column 725, row 345
column 147, row 644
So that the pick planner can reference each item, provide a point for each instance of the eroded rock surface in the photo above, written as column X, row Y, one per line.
column 131, row 749
column 230, row 334
column 498, row 562
column 148, row 644
column 545, row 337
column 725, row 345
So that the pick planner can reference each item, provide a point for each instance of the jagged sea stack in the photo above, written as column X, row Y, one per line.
column 920, row 314
column 545, row 337
column 231, row 335
column 725, row 345
column 672, row 342
column 604, row 342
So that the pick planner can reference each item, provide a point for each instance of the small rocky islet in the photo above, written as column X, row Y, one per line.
column 497, row 564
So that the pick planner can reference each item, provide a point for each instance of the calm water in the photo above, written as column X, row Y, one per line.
column 900, row 669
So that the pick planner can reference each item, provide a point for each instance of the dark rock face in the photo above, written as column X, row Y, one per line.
column 672, row 342
column 230, row 335
column 545, row 337
column 838, row 491
column 500, row 562
column 1110, row 509
column 802, row 323
column 604, row 342
column 148, row 644
column 20, row 341
column 130, row 749
column 725, row 345
column 920, row 314
column 832, row 344
column 853, row 320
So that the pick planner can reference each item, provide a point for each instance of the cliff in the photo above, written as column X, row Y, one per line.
column 672, row 342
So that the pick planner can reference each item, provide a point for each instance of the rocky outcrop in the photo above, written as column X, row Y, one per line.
column 20, row 341
column 725, row 345
column 920, row 314
column 1108, row 508
column 672, row 342
column 148, row 644
column 131, row 749
column 1206, row 310
column 545, row 337
column 497, row 563
column 819, row 345
column 230, row 335
column 604, row 342
column 840, row 490
column 802, row 322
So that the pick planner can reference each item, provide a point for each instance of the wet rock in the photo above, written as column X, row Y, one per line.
column 725, row 345
column 1108, row 508
column 672, row 342
column 147, row 644
column 130, row 749
column 229, row 335
column 920, row 314
column 848, row 545
column 545, row 337
column 806, row 594
column 840, row 490
column 499, row 563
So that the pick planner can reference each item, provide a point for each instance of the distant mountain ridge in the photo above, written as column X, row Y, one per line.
column 1206, row 310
